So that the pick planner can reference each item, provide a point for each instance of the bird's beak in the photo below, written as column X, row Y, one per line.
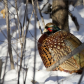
column 45, row 30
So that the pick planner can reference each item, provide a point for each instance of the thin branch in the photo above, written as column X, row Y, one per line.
column 13, row 5
column 5, row 68
column 74, row 19
column 25, row 76
column 40, row 14
column 44, row 5
column 24, row 38
column 16, row 52
column 16, row 41
column 3, row 33
column 21, row 66
column 19, row 23
column 8, row 34
column 23, row 44
column 9, row 43
column 75, row 51
column 81, row 77
column 35, row 16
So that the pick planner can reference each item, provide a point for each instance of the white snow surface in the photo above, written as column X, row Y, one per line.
column 41, row 75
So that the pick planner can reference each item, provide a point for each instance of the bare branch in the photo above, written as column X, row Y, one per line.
column 23, row 43
column 8, row 35
column 35, row 34
column 5, row 68
column 81, row 77
column 19, row 23
column 3, row 33
column 37, row 17
column 40, row 14
column 75, row 21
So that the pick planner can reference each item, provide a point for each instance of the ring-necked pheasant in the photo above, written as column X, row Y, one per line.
column 56, row 43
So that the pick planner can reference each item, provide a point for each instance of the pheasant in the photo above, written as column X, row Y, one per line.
column 56, row 43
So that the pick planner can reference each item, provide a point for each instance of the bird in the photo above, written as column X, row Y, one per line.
column 54, row 44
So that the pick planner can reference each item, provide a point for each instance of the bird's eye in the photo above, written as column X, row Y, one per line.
column 50, row 29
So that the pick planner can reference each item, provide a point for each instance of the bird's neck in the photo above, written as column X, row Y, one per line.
column 43, row 37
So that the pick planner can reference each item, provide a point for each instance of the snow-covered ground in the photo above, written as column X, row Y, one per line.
column 42, row 76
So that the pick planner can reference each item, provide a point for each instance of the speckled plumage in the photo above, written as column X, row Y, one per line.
column 56, row 45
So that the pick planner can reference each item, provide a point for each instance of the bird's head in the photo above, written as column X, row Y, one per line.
column 51, row 28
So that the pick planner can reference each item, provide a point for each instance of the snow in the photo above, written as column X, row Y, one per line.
column 41, row 75
column 79, row 15
column 10, row 76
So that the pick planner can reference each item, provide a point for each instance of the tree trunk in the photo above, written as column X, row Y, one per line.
column 8, row 35
column 60, row 14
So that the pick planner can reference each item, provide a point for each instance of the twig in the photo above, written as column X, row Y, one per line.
column 13, row 5
column 22, row 67
column 39, row 26
column 44, row 5
column 25, row 76
column 75, row 21
column 81, row 77
column 16, row 52
column 16, row 41
column 5, row 68
column 20, row 40
column 24, row 39
column 9, row 43
column 17, row 18
column 40, row 14
column 35, row 15
column 23, row 44
column 37, row 18
column 75, row 51
column 8, row 35
column 3, row 33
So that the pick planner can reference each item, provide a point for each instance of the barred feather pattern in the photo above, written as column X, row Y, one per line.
column 57, row 45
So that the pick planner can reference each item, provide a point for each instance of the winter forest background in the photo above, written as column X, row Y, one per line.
column 21, row 24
